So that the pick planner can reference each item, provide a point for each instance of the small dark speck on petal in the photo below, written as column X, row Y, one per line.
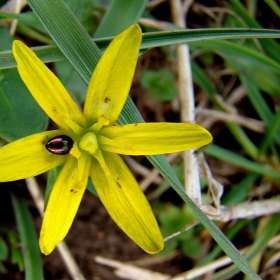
column 107, row 99
column 119, row 185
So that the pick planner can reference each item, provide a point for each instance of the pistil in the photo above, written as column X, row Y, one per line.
column 89, row 143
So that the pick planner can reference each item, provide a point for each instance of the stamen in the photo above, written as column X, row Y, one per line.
column 75, row 152
column 103, row 121
column 82, row 166
column 97, row 126
column 98, row 155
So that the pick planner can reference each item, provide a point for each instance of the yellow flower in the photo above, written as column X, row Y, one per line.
column 96, row 144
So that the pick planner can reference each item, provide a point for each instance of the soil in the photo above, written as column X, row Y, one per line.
column 92, row 234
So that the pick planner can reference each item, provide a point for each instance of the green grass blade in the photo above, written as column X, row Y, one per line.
column 257, row 100
column 32, row 33
column 240, row 191
column 273, row 6
column 28, row 18
column 150, row 40
column 249, row 63
column 243, row 139
column 130, row 13
column 260, row 243
column 29, row 240
column 261, row 107
column 214, row 254
column 223, row 154
column 224, row 243
column 270, row 133
column 271, row 47
column 204, row 82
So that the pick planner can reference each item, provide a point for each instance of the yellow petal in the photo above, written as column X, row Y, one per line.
column 63, row 204
column 28, row 157
column 46, row 88
column 126, row 203
column 153, row 138
column 112, row 77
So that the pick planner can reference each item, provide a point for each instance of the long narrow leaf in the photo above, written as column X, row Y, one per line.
column 150, row 40
column 29, row 240
column 203, row 81
column 271, row 47
column 260, row 243
column 240, row 161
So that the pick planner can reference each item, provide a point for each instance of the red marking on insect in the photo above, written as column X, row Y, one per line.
column 59, row 145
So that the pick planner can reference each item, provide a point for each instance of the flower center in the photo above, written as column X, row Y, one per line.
column 89, row 143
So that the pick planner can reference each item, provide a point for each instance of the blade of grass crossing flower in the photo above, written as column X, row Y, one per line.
column 153, row 138
column 126, row 203
column 43, row 10
column 41, row 81
column 28, row 237
column 109, row 86
column 130, row 12
column 150, row 40
column 63, row 204
column 28, row 157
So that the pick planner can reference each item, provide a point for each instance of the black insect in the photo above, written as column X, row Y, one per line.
column 60, row 145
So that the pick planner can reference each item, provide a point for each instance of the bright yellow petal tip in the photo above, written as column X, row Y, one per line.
column 153, row 138
column 111, row 80
column 63, row 204
column 126, row 203
column 47, row 89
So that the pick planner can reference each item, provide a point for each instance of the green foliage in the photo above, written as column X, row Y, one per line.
column 3, row 249
column 18, row 108
column 159, row 84
column 9, row 249
column 71, row 80
column 172, row 219
column 29, row 240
